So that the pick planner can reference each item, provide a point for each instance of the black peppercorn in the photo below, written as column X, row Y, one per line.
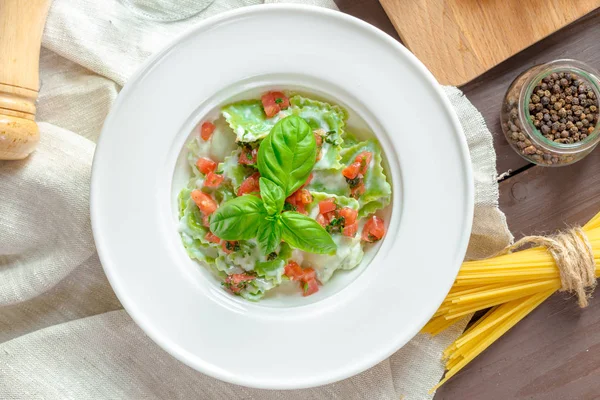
column 562, row 107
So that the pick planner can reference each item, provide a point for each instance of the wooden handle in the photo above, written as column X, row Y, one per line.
column 21, row 26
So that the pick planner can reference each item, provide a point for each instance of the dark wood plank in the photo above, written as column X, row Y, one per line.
column 554, row 353
column 541, row 200
column 580, row 40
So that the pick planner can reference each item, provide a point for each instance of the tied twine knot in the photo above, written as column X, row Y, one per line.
column 574, row 258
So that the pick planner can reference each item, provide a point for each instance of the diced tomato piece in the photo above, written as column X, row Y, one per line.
column 207, row 130
column 276, row 98
column 350, row 230
column 352, row 170
column 293, row 271
column 301, row 209
column 206, row 220
column 309, row 287
column 281, row 99
column 349, row 215
column 364, row 159
column 229, row 247
column 206, row 165
column 211, row 237
column 236, row 282
column 373, row 230
column 273, row 102
column 213, row 180
column 327, row 205
column 238, row 278
column 304, row 196
column 321, row 220
column 250, row 185
column 319, row 139
column 329, row 216
column 357, row 191
column 292, row 199
column 248, row 157
column 205, row 203
column 309, row 274
column 272, row 110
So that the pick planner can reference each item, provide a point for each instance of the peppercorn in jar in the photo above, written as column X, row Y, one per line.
column 550, row 114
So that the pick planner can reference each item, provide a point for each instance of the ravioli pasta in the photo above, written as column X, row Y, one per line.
column 223, row 167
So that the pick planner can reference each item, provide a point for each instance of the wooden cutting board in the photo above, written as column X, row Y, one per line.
column 459, row 40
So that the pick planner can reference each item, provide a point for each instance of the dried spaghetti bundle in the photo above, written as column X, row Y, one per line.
column 514, row 284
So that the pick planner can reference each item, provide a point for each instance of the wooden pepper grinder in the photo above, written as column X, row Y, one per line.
column 21, row 26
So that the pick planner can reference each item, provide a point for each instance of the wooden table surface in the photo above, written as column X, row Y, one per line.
column 554, row 353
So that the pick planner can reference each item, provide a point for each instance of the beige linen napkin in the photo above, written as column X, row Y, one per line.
column 63, row 333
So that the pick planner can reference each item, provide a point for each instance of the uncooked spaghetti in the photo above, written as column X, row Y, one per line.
column 514, row 284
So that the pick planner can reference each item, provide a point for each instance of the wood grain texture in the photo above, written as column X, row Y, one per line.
column 554, row 353
column 461, row 39
column 580, row 40
column 21, row 26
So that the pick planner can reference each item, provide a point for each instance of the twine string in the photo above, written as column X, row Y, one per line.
column 574, row 258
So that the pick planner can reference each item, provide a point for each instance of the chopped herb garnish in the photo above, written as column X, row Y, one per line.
column 272, row 256
column 354, row 182
column 336, row 225
column 331, row 137
column 279, row 100
column 289, row 207
column 305, row 287
column 232, row 246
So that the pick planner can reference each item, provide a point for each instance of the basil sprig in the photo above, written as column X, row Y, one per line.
column 285, row 159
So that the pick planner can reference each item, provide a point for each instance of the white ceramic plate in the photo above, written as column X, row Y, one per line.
column 360, row 317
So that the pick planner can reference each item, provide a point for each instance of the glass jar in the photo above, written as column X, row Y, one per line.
column 565, row 139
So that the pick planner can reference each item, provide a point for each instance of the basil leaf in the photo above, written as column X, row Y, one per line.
column 288, row 154
column 305, row 233
column 238, row 218
column 269, row 236
column 272, row 195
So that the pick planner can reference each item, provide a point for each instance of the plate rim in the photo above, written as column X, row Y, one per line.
column 147, row 65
